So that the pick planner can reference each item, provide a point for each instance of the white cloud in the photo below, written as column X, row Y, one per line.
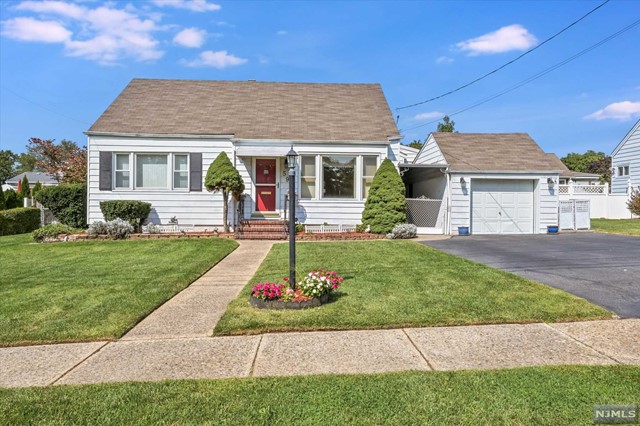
column 282, row 32
column 29, row 29
column 192, row 5
column 104, row 34
column 220, row 59
column 428, row 115
column 621, row 111
column 190, row 37
column 263, row 59
column 443, row 60
column 512, row 37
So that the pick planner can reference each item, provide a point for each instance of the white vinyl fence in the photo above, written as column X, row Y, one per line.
column 602, row 203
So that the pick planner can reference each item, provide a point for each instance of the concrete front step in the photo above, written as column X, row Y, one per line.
column 264, row 222
column 262, row 236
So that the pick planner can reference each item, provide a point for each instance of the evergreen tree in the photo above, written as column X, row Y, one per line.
column 223, row 177
column 447, row 125
column 386, row 205
column 25, row 192
column 11, row 199
column 3, row 205
column 36, row 188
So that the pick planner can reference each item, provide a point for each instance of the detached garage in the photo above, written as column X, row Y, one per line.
column 490, row 183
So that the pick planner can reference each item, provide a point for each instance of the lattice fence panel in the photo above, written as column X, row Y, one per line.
column 423, row 213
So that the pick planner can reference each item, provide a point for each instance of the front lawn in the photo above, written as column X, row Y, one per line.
column 617, row 226
column 62, row 292
column 524, row 396
column 391, row 284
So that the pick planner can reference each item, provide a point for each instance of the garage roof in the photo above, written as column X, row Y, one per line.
column 493, row 152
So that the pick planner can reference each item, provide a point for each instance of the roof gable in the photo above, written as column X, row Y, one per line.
column 635, row 128
column 250, row 110
column 493, row 152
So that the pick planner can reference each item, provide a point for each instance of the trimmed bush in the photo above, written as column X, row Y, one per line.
column 19, row 221
column 11, row 199
column 118, row 229
column 386, row 205
column 68, row 203
column 403, row 231
column 134, row 212
column 51, row 231
column 634, row 202
column 223, row 177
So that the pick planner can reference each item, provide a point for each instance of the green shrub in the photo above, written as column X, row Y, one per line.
column 634, row 202
column 3, row 205
column 19, row 221
column 51, row 231
column 11, row 199
column 36, row 188
column 223, row 177
column 68, row 203
column 25, row 192
column 134, row 212
column 386, row 205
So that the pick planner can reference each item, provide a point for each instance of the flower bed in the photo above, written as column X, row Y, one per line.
column 84, row 236
column 312, row 291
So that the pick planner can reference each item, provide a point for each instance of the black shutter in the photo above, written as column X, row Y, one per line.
column 106, row 175
column 195, row 172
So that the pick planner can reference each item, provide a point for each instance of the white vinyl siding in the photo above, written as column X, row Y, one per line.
column 430, row 153
column 626, row 162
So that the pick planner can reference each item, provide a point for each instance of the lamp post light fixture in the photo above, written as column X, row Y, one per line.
column 292, row 160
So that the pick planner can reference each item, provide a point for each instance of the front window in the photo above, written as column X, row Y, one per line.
column 122, row 171
column 623, row 171
column 338, row 176
column 369, row 167
column 308, row 176
column 151, row 171
column 180, row 171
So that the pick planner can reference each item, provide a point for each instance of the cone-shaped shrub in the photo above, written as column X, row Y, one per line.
column 25, row 192
column 223, row 177
column 386, row 205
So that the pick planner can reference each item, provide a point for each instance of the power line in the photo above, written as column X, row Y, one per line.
column 536, row 76
column 44, row 107
column 507, row 64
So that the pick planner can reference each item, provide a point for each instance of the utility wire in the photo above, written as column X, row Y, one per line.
column 44, row 107
column 536, row 76
column 507, row 64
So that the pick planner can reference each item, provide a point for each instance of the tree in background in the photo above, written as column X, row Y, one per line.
column 223, row 177
column 417, row 144
column 589, row 162
column 386, row 205
column 7, row 165
column 11, row 199
column 25, row 191
column 447, row 125
column 67, row 162
column 3, row 205
column 26, row 163
column 36, row 188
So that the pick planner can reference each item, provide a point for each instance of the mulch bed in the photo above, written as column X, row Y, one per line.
column 338, row 236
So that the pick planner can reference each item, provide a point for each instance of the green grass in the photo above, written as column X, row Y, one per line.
column 525, row 396
column 61, row 292
column 617, row 226
column 402, row 284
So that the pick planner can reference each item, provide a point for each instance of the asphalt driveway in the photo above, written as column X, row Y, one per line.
column 602, row 268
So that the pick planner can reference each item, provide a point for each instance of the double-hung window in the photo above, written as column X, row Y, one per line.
column 308, row 176
column 180, row 171
column 623, row 170
column 369, row 167
column 122, row 171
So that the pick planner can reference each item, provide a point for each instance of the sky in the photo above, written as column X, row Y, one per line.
column 63, row 62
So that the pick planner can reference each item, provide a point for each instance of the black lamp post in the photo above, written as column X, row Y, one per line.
column 292, row 160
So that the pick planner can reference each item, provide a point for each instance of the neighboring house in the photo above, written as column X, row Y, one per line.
column 407, row 154
column 493, row 183
column 567, row 175
column 157, row 139
column 44, row 178
column 625, row 162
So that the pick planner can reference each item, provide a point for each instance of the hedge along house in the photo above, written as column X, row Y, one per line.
column 156, row 140
column 489, row 182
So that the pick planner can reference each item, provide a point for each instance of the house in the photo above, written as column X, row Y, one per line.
column 567, row 175
column 625, row 162
column 44, row 178
column 155, row 142
column 492, row 183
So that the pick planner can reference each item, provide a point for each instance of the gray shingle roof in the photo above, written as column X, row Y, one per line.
column 250, row 110
column 496, row 152
column 33, row 177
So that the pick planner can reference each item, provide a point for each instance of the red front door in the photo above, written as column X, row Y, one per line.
column 265, row 185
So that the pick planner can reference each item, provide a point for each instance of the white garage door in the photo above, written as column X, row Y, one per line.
column 502, row 206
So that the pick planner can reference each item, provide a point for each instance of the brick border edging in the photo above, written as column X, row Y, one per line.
column 339, row 236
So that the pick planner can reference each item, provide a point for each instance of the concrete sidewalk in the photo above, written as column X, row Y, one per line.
column 357, row 351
